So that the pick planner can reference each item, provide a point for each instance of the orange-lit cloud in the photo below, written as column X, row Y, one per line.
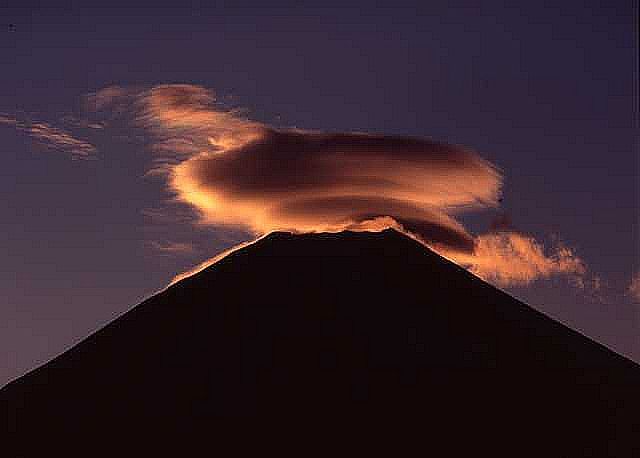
column 242, row 173
column 511, row 259
column 52, row 137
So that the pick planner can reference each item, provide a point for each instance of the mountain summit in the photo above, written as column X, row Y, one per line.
column 367, row 329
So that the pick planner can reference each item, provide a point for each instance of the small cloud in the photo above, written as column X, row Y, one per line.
column 169, row 215
column 172, row 248
column 514, row 259
column 52, row 137
column 8, row 120
column 108, row 98
column 634, row 287
column 83, row 123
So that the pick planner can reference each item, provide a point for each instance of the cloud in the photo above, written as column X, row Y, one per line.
column 166, row 215
column 634, row 287
column 172, row 248
column 52, row 137
column 513, row 259
column 113, row 98
column 83, row 123
column 241, row 173
column 8, row 120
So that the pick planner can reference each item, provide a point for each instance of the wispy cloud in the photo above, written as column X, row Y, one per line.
column 634, row 287
column 83, row 123
column 168, row 215
column 172, row 248
column 242, row 173
column 514, row 259
column 52, row 137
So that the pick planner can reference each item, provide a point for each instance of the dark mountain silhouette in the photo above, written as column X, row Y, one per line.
column 351, row 340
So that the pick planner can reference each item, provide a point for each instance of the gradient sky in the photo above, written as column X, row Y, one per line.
column 544, row 91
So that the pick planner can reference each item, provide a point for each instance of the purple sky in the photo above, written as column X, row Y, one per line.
column 546, row 92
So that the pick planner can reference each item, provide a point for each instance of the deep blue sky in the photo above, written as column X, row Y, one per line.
column 544, row 90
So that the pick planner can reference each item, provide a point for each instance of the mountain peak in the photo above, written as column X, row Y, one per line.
column 370, row 326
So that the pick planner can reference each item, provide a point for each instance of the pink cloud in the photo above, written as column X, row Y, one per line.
column 52, row 137
column 241, row 173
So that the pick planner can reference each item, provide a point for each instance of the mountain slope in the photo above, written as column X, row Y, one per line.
column 363, row 328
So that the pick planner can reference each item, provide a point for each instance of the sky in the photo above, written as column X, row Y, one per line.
column 138, row 143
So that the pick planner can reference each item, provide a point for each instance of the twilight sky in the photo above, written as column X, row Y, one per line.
column 137, row 143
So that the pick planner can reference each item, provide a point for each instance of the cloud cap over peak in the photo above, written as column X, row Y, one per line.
column 242, row 173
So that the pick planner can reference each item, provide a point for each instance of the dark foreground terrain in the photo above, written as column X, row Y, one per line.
column 352, row 343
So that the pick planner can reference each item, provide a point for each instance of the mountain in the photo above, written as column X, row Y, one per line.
column 351, row 339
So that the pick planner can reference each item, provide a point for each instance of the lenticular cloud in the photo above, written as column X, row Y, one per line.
column 239, row 172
